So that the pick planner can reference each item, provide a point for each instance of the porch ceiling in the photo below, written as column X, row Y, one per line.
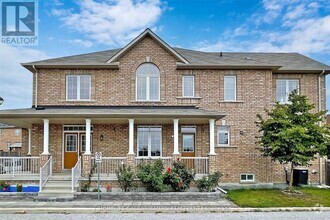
column 108, row 114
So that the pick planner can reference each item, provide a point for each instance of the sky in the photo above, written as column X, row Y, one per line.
column 82, row 26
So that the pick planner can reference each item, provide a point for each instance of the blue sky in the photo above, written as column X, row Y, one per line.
column 81, row 26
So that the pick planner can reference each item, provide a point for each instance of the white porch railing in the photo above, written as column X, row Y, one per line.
column 109, row 165
column 167, row 161
column 45, row 173
column 76, row 174
column 19, row 165
column 200, row 165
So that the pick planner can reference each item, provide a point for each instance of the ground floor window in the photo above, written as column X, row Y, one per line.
column 247, row 177
column 149, row 140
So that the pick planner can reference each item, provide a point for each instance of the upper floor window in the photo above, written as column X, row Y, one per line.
column 283, row 89
column 0, row 132
column 188, row 86
column 78, row 87
column 230, row 88
column 147, row 82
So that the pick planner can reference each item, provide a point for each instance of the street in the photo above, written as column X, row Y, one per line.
column 172, row 216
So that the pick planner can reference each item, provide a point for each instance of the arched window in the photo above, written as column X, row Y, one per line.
column 147, row 82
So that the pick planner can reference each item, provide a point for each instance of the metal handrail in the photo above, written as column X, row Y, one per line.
column 46, row 169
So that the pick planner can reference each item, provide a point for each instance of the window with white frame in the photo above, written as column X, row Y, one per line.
column 147, row 82
column 283, row 89
column 230, row 88
column 149, row 141
column 223, row 136
column 247, row 177
column 17, row 132
column 188, row 86
column 78, row 87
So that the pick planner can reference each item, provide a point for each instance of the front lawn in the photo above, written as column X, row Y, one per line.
column 260, row 198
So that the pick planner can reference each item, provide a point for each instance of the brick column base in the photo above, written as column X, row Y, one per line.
column 86, row 164
column 213, row 165
column 43, row 159
column 130, row 161
column 176, row 157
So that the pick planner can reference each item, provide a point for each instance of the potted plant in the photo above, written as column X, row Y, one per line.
column 19, row 187
column 4, row 186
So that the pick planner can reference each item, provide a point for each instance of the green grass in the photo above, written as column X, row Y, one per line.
column 261, row 198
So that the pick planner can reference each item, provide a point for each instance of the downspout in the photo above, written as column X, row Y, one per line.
column 320, row 108
column 36, row 88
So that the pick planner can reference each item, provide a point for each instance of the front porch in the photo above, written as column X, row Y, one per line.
column 62, row 139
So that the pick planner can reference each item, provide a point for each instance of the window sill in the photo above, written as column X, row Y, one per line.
column 147, row 101
column 237, row 101
column 183, row 97
column 77, row 100
column 226, row 146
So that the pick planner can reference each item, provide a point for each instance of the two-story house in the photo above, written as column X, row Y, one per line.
column 149, row 100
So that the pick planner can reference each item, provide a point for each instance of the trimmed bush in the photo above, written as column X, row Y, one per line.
column 208, row 183
column 151, row 175
column 179, row 178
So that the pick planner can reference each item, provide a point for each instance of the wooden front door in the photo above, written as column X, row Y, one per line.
column 70, row 150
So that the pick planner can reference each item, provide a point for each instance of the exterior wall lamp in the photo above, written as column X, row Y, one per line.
column 1, row 100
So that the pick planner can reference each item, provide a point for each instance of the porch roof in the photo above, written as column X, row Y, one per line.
column 102, row 114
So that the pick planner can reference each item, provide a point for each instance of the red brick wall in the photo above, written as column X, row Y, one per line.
column 8, row 135
column 255, row 92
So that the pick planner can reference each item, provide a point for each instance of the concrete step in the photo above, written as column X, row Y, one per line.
column 58, row 182
column 54, row 187
column 55, row 196
column 61, row 178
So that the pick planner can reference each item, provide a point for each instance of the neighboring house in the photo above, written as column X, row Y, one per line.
column 10, row 140
column 149, row 100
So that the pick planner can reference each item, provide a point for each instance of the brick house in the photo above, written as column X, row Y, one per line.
column 10, row 140
column 149, row 100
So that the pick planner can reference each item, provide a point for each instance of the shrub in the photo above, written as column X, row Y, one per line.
column 179, row 178
column 85, row 186
column 208, row 183
column 19, row 187
column 4, row 186
column 108, row 188
column 151, row 175
column 96, row 190
column 125, row 177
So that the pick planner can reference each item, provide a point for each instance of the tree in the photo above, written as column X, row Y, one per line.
column 292, row 133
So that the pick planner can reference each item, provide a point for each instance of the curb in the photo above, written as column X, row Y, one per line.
column 156, row 209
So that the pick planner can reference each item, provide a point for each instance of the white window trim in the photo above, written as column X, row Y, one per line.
column 193, row 93
column 224, row 88
column 78, row 88
column 149, row 142
column 287, row 89
column 244, row 181
column 223, row 145
column 147, row 90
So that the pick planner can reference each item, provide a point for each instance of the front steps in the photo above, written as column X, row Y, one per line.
column 57, row 188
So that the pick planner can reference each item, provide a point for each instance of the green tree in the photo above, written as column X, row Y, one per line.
column 292, row 133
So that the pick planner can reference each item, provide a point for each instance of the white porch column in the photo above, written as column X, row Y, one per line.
column 131, row 136
column 176, row 136
column 88, row 136
column 46, row 137
column 212, row 149
column 29, row 142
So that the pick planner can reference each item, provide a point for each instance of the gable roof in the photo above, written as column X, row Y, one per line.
column 190, row 59
column 145, row 33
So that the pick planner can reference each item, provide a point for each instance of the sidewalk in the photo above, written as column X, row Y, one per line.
column 95, row 206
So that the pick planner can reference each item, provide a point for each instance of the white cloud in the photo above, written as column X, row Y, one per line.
column 16, row 81
column 281, row 25
column 112, row 22
column 79, row 42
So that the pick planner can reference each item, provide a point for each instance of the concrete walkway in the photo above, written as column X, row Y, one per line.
column 103, row 206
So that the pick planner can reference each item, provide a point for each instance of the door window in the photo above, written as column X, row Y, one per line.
column 71, row 143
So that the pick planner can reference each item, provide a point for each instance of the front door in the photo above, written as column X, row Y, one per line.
column 70, row 150
column 188, row 145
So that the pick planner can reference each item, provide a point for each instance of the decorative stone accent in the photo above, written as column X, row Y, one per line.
column 43, row 159
column 176, row 157
column 130, row 160
column 213, row 165
column 86, row 164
